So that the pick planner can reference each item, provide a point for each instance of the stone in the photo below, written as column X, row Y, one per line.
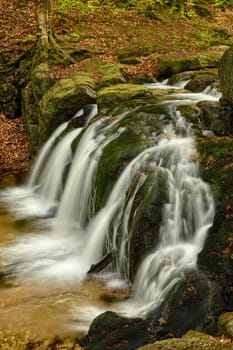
column 110, row 331
column 209, row 59
column 121, row 92
column 63, row 100
column 225, row 324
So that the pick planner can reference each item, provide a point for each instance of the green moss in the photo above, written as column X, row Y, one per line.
column 205, row 60
column 110, row 74
column 63, row 100
column 217, row 153
column 121, row 92
column 191, row 341
column 116, row 155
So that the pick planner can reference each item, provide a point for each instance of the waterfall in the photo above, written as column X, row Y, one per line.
column 186, row 219
column 79, row 235
column 40, row 195
column 42, row 156
column 76, row 199
column 51, row 177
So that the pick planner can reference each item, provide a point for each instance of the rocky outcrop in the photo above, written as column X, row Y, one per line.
column 211, row 58
column 226, row 85
column 195, row 304
column 63, row 100
column 47, row 104
column 217, row 254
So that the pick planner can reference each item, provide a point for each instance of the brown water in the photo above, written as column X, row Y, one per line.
column 39, row 309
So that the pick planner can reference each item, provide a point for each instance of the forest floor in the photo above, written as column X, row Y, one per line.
column 106, row 34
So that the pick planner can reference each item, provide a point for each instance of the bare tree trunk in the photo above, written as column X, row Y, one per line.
column 43, row 19
column 46, row 39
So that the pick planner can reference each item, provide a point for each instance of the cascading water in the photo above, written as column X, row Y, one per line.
column 187, row 217
column 41, row 159
column 77, row 195
column 79, row 235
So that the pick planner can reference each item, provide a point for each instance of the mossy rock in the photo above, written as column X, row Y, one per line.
column 63, row 100
column 210, row 59
column 195, row 302
column 191, row 114
column 212, row 117
column 140, row 125
column 41, row 81
column 200, row 82
column 193, row 340
column 216, row 169
column 148, row 204
column 225, row 324
column 144, row 78
column 192, row 74
column 121, row 92
column 226, row 76
column 110, row 74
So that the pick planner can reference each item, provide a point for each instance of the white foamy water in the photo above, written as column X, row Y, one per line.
column 77, row 240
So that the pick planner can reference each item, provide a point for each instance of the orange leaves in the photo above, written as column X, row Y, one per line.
column 228, row 250
column 14, row 149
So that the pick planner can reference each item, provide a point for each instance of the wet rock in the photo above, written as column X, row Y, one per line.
column 110, row 331
column 192, row 74
column 200, row 82
column 212, row 117
column 193, row 303
column 216, row 169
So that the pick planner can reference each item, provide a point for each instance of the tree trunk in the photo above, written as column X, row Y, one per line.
column 44, row 23
column 46, row 39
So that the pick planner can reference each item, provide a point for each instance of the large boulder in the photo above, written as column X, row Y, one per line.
column 63, row 100
column 193, row 303
column 226, row 76
column 110, row 331
column 209, row 59
column 226, row 85
column 217, row 254
column 225, row 324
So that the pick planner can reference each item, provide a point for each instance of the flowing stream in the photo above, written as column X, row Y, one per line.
column 49, row 258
